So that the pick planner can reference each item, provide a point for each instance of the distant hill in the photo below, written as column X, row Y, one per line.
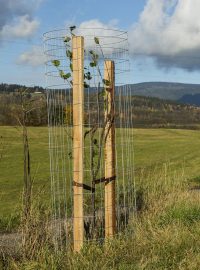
column 165, row 90
column 145, row 111
column 179, row 92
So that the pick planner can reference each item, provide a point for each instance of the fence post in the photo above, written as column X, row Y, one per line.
column 110, row 213
column 78, row 142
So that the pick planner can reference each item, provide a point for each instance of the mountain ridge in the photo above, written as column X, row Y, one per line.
column 163, row 90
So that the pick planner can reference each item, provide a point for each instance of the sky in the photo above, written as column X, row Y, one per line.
column 164, row 36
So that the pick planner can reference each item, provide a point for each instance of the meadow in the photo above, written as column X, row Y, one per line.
column 165, row 233
column 152, row 147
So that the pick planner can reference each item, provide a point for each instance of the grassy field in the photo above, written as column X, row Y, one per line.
column 11, row 164
column 153, row 147
column 165, row 235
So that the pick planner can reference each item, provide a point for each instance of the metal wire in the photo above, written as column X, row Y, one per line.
column 113, row 46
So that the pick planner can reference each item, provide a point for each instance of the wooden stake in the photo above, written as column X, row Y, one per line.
column 78, row 134
column 110, row 215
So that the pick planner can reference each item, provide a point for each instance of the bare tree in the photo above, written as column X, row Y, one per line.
column 22, row 117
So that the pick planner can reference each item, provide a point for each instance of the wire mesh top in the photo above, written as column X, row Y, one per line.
column 113, row 45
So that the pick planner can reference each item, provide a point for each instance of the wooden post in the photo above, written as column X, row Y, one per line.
column 110, row 214
column 78, row 134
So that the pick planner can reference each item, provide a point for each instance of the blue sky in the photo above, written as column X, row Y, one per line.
column 164, row 43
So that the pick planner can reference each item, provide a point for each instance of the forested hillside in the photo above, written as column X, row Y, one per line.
column 163, row 90
column 146, row 111
column 190, row 99
column 10, row 88
column 155, row 112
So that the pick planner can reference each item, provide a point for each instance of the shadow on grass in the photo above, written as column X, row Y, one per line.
column 195, row 183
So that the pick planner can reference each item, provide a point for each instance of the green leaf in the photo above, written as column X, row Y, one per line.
column 93, row 64
column 96, row 40
column 66, row 76
column 72, row 28
column 94, row 55
column 67, row 39
column 106, row 82
column 88, row 76
column 69, row 54
column 86, row 85
column 56, row 63
column 63, row 75
column 71, row 66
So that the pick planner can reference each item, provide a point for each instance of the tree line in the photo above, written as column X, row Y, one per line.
column 141, row 111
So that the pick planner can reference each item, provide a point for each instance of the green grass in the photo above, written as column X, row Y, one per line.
column 165, row 235
column 11, row 165
column 179, row 147
column 153, row 147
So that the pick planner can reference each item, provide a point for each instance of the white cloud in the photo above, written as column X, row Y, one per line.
column 167, row 31
column 98, row 24
column 170, row 32
column 34, row 57
column 93, row 28
column 22, row 27
column 106, row 32
column 97, row 28
column 16, row 18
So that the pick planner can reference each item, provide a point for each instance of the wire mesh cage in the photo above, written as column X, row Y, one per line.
column 90, row 134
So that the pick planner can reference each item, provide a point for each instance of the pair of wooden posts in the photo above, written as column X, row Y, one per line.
column 78, row 145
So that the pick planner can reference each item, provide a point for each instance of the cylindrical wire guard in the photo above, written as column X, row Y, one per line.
column 110, row 45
